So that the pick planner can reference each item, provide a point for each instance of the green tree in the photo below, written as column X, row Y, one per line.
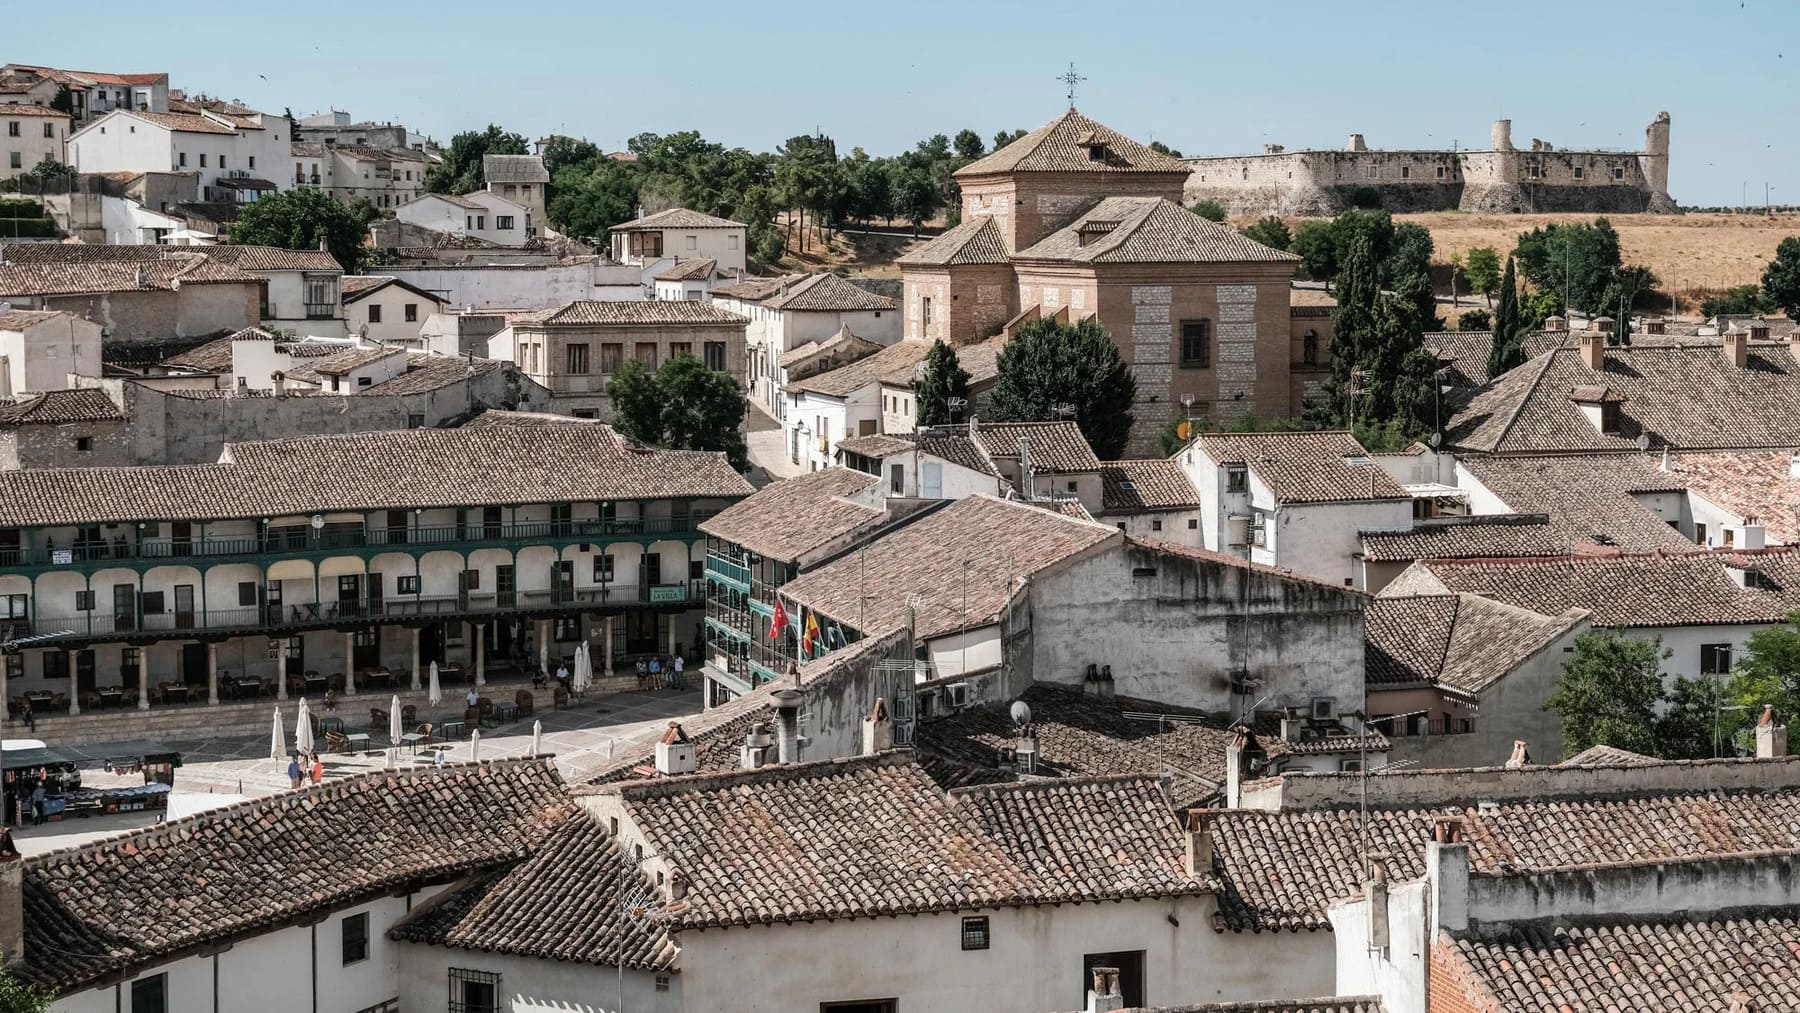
column 1608, row 693
column 1004, row 137
column 1049, row 369
column 1736, row 300
column 1769, row 672
column 1781, row 279
column 1211, row 210
column 49, row 168
column 1270, row 231
column 461, row 171
column 1475, row 320
column 1576, row 261
column 1161, row 148
column 589, row 198
column 567, row 152
column 17, row 996
column 968, row 145
column 1690, row 727
column 1316, row 246
column 1508, row 348
column 942, row 380
column 298, row 219
column 1482, row 268
column 914, row 199
column 682, row 406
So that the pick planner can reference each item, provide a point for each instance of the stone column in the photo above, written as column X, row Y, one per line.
column 543, row 640
column 144, row 674
column 415, row 658
column 350, row 663
column 281, row 692
column 480, row 654
column 606, row 648
column 212, row 672
column 74, row 687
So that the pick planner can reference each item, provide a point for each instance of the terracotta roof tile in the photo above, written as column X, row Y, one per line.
column 1306, row 467
column 1608, row 756
column 18, row 320
column 878, row 445
column 755, row 289
column 514, row 169
column 271, row 258
column 672, row 312
column 1147, row 485
column 571, row 900
column 1148, row 230
column 192, row 123
column 53, row 407
column 847, row 380
column 828, row 293
column 1586, row 498
column 1480, row 537
column 976, row 241
column 677, row 218
column 1466, row 352
column 1691, row 963
column 1460, row 642
column 1748, row 483
column 27, row 109
column 789, row 519
column 1058, row 146
column 130, row 902
column 74, row 278
column 693, row 269
column 1056, row 448
column 1693, row 589
column 890, row 841
column 988, row 545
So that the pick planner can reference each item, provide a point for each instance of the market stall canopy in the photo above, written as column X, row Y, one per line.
column 93, row 754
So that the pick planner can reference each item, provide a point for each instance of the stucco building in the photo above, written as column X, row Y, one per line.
column 33, row 134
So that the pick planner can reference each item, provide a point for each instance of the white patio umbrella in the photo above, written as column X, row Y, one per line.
column 434, row 693
column 278, row 741
column 303, row 739
column 395, row 730
column 583, row 674
column 475, row 745
column 537, row 737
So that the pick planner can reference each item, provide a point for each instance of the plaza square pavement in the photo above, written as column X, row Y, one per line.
column 584, row 738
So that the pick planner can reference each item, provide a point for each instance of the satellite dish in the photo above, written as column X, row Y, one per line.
column 1021, row 713
column 1436, row 439
column 1643, row 441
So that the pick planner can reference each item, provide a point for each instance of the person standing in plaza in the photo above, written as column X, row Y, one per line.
column 37, row 803
column 318, row 770
column 678, row 667
column 294, row 771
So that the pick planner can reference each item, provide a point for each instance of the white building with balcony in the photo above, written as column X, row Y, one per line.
column 215, row 146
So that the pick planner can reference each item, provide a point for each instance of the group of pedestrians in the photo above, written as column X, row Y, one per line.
column 304, row 765
column 655, row 674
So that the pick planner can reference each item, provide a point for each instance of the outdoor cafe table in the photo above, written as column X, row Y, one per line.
column 111, row 696
column 506, row 713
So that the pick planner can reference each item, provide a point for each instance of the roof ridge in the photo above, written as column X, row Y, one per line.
column 772, row 774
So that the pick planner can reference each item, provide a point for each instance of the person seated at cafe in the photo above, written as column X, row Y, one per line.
column 562, row 674
column 330, row 699
column 474, row 698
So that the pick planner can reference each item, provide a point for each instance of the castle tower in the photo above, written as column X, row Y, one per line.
column 1502, row 135
column 1655, row 158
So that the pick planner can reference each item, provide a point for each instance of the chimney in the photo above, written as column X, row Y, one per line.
column 1755, row 536
column 877, row 729
column 1105, row 685
column 1291, row 723
column 675, row 752
column 1200, row 841
column 1656, row 325
column 1234, row 767
column 1604, row 325
column 1759, row 329
column 1521, row 756
column 1736, row 345
column 279, row 380
column 1557, row 324
column 1105, row 997
column 1447, row 875
column 1771, row 738
column 143, row 276
column 678, row 885
column 12, row 903
column 787, row 716
column 1794, row 460
column 1593, row 350
column 756, row 748
column 1375, row 894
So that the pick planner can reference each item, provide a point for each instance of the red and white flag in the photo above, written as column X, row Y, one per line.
column 780, row 622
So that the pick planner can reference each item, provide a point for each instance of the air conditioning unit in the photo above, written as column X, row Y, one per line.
column 1237, row 530
column 957, row 696
column 1324, row 708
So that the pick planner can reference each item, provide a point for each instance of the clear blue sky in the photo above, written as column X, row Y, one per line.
column 1204, row 77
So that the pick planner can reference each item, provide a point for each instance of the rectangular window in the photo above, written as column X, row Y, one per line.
column 1715, row 659
column 1619, row 172
column 474, row 991
column 1578, row 172
column 153, row 603
column 374, row 313
column 1129, row 964
column 1237, row 480
column 677, row 349
column 612, row 354
column 1406, row 172
column 896, row 479
column 12, row 128
column 715, row 355
column 203, row 160
column 356, row 938
column 412, row 313
column 150, row 995
column 1196, row 343
column 17, row 161
column 1440, row 172
column 252, row 161
column 84, row 601
column 974, row 933
column 181, row 159
column 246, row 593
column 415, row 420
column 646, row 354
column 577, row 356
column 409, row 585
column 50, row 130
column 925, row 310
column 603, row 568
column 503, row 222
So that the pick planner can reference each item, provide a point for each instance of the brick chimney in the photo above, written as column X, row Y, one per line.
column 1557, row 324
column 1604, row 325
column 757, row 743
column 1771, row 738
column 1199, row 840
column 1593, row 350
column 1759, row 329
column 877, row 729
column 787, row 718
column 1447, row 874
column 675, row 752
column 1521, row 756
column 1656, row 325
column 1736, row 346
column 1234, row 767
column 1105, row 996
column 1375, row 899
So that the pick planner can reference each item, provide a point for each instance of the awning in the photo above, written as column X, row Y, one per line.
column 93, row 754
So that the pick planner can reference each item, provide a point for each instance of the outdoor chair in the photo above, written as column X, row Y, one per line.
column 378, row 719
column 425, row 730
column 336, row 742
column 560, row 698
column 526, row 701
column 472, row 716
column 409, row 713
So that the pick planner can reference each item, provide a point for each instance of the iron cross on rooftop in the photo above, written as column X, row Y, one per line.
column 1070, row 78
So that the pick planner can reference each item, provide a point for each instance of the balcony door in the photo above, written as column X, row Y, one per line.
column 181, row 538
column 505, row 587
column 124, row 607
column 184, row 606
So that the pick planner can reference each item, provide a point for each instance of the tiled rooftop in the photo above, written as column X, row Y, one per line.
column 666, row 312
column 1056, row 448
column 1306, row 467
column 572, row 900
column 54, row 407
column 1147, row 485
column 1058, row 146
column 1460, row 642
column 872, row 836
column 677, row 218
column 1481, row 537
column 129, row 902
column 1758, row 484
column 257, row 259
column 829, row 293
column 788, row 519
column 846, row 380
column 692, row 269
column 985, row 545
column 1587, row 498
column 878, row 445
column 80, row 278
column 514, row 169
column 1466, row 352
column 975, row 241
column 1149, row 230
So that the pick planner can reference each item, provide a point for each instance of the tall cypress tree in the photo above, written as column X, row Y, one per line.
column 942, row 380
column 1507, row 350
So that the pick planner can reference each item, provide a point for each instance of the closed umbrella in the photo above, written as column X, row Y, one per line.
column 394, row 728
column 278, row 741
column 537, row 737
column 303, row 740
column 434, row 694
column 475, row 744
column 578, row 680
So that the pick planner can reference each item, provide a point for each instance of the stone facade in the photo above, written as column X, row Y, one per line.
column 968, row 302
column 1503, row 179
column 1031, row 205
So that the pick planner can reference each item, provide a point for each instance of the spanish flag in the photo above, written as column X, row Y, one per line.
column 809, row 641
